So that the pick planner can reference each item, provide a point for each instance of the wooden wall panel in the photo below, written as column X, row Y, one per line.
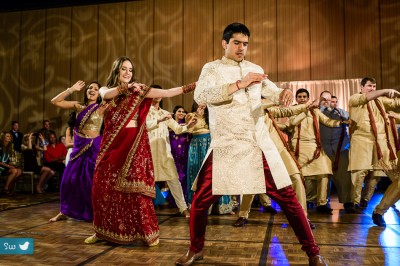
column 362, row 39
column 32, row 69
column 225, row 13
column 140, row 38
column 293, row 40
column 84, row 51
column 327, row 39
column 197, row 44
column 168, row 47
column 112, row 35
column 390, row 43
column 260, row 17
column 58, row 64
column 10, row 69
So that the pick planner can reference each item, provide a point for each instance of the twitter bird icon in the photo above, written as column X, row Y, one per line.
column 24, row 246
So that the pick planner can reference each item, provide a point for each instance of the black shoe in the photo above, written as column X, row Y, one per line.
column 349, row 207
column 363, row 203
column 312, row 226
column 269, row 209
column 324, row 209
column 240, row 222
column 378, row 219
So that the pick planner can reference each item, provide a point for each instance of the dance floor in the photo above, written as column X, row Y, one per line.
column 344, row 239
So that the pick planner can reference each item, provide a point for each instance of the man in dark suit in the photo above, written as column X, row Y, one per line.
column 17, row 136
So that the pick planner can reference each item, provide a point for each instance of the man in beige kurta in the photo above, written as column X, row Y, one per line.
column 242, row 158
column 392, row 193
column 315, row 169
column 364, row 144
column 157, row 122
column 291, row 166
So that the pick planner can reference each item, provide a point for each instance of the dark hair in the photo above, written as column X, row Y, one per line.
column 194, row 110
column 9, row 148
column 14, row 122
column 85, row 98
column 113, row 77
column 44, row 121
column 334, row 97
column 176, row 109
column 156, row 86
column 235, row 28
column 301, row 90
column 53, row 133
column 71, row 122
column 366, row 79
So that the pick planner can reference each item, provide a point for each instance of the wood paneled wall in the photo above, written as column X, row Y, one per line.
column 42, row 52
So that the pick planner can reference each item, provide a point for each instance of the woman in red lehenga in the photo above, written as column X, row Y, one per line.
column 123, row 182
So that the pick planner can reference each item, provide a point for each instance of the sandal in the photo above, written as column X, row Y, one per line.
column 92, row 239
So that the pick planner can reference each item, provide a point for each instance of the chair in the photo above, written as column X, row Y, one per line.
column 32, row 177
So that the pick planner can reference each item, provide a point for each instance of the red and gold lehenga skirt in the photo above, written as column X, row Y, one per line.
column 123, row 186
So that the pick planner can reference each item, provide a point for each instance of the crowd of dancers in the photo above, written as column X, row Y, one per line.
column 233, row 143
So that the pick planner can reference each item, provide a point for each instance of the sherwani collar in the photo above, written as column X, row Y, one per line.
column 231, row 62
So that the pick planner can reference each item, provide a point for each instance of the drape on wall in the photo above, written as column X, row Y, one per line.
column 341, row 88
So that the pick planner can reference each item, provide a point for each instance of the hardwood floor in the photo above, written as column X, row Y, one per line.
column 344, row 239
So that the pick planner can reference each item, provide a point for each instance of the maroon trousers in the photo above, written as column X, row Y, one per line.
column 285, row 197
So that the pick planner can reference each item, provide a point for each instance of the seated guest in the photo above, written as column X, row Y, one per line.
column 54, row 155
column 17, row 136
column 6, row 165
column 31, row 164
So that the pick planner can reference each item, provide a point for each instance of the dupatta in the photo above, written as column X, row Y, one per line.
column 130, row 146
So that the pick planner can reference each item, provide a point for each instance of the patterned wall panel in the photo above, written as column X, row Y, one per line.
column 293, row 40
column 327, row 39
column 197, row 43
column 225, row 13
column 260, row 17
column 390, row 43
column 32, row 69
column 112, row 35
column 140, row 38
column 84, row 46
column 58, row 64
column 362, row 39
column 168, row 47
column 10, row 69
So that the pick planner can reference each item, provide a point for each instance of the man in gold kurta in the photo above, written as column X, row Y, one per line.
column 242, row 158
column 305, row 142
column 392, row 193
column 157, row 122
column 289, row 161
column 371, row 140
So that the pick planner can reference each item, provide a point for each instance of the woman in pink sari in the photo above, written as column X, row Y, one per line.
column 123, row 183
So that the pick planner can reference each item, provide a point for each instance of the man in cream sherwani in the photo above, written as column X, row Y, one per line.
column 158, row 121
column 242, row 159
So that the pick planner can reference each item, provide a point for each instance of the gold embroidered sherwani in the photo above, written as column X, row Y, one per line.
column 239, row 135
column 363, row 157
column 164, row 164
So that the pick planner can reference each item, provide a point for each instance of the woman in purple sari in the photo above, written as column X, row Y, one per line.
column 180, row 148
column 76, row 185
